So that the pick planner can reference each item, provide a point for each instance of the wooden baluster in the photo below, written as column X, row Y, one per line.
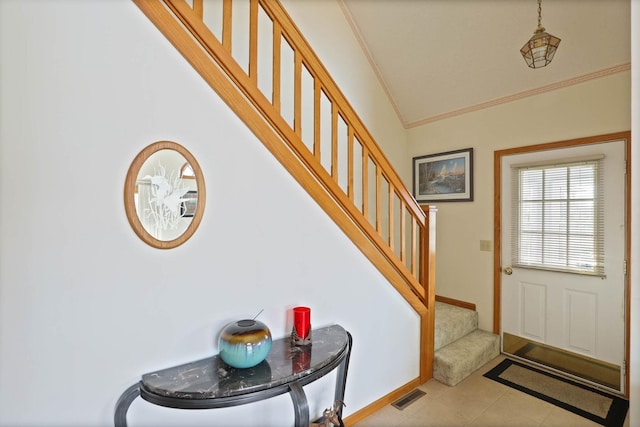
column 198, row 8
column 226, row 24
column 378, row 199
column 277, row 67
column 253, row 41
column 297, row 93
column 334, row 141
column 365, row 181
column 317, row 90
column 403, row 232
column 351, row 162
column 392, row 219
column 415, row 256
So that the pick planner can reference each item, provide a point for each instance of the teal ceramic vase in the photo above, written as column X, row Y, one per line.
column 245, row 343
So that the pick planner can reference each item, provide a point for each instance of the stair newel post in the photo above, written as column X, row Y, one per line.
column 428, row 280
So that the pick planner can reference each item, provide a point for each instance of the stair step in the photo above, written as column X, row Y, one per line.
column 452, row 323
column 458, row 360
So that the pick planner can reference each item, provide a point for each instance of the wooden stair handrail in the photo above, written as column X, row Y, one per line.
column 247, row 83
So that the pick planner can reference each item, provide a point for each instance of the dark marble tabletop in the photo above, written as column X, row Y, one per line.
column 212, row 378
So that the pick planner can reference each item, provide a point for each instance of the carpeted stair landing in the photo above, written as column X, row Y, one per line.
column 460, row 347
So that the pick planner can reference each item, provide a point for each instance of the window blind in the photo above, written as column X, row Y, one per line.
column 558, row 216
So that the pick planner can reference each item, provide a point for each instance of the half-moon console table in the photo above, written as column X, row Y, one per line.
column 211, row 383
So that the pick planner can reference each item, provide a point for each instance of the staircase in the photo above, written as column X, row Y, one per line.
column 294, row 107
column 460, row 347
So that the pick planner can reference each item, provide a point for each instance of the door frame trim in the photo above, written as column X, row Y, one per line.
column 497, row 226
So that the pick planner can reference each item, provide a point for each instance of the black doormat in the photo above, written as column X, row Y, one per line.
column 600, row 407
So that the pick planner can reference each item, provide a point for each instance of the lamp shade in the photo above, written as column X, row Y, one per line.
column 540, row 49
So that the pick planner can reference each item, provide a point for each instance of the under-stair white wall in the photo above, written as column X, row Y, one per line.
column 85, row 306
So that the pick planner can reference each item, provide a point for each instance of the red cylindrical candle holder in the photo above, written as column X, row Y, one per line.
column 301, row 325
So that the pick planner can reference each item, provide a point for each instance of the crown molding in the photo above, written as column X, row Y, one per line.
column 537, row 91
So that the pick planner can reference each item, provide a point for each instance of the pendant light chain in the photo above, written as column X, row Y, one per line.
column 539, row 13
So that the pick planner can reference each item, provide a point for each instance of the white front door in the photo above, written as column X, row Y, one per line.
column 577, row 313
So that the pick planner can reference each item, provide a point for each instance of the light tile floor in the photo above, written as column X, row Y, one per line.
column 476, row 401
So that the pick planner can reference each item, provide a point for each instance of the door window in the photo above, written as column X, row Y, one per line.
column 558, row 218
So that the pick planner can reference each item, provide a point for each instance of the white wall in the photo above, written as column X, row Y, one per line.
column 85, row 306
column 591, row 108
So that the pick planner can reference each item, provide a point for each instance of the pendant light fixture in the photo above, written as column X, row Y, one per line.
column 540, row 49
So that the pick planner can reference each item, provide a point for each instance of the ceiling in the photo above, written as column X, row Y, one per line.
column 441, row 58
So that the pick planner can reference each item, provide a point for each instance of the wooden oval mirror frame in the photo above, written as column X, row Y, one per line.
column 131, row 188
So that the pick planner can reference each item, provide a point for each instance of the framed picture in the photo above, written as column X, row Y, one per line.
column 188, row 207
column 444, row 177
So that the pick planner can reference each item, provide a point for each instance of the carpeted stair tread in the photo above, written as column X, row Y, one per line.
column 452, row 323
column 456, row 361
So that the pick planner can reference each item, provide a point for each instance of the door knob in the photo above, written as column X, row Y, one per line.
column 508, row 271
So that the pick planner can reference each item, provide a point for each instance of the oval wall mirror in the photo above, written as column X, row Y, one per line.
column 164, row 195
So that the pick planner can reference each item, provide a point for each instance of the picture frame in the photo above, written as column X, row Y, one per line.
column 444, row 177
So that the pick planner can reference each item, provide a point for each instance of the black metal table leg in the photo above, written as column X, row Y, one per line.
column 341, row 377
column 300, row 404
column 129, row 395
